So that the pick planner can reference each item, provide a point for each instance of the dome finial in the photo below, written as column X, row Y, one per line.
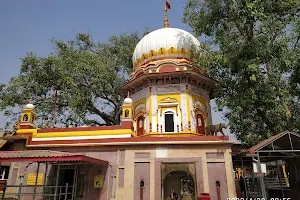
column 166, row 20
column 128, row 94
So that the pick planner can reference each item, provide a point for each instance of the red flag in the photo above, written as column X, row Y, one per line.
column 168, row 6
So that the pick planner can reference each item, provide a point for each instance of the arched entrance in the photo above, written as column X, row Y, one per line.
column 179, row 183
column 200, row 124
column 140, row 125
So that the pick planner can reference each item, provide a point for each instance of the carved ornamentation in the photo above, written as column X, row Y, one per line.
column 141, row 105
column 139, row 95
column 184, row 108
column 193, row 119
column 168, row 89
column 199, row 92
column 175, row 80
column 154, row 108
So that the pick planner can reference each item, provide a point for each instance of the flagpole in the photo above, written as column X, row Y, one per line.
column 166, row 20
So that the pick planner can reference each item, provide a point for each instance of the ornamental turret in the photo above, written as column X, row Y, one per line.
column 28, row 117
column 127, row 111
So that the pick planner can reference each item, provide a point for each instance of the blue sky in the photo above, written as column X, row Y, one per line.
column 28, row 26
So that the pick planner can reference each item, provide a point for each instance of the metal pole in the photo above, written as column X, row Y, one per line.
column 291, row 143
column 56, row 181
column 20, row 186
column 66, row 190
column 280, row 178
column 54, row 109
column 246, row 188
column 261, row 180
column 45, row 177
column 36, row 179
column 4, row 189
column 74, row 183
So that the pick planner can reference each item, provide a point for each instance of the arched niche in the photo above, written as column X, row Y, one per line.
column 168, row 109
column 200, row 123
column 139, row 116
column 25, row 117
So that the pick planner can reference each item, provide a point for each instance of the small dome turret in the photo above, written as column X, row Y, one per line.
column 128, row 100
column 29, row 105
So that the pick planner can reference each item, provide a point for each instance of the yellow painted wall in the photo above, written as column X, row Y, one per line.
column 198, row 98
column 163, row 96
column 141, row 101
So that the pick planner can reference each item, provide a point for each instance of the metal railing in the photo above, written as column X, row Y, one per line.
column 49, row 192
column 272, row 183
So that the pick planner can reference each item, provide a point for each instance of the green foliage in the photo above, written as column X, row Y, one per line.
column 87, row 76
column 254, row 54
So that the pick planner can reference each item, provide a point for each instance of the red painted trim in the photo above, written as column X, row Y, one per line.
column 26, row 126
column 167, row 69
column 54, row 159
column 127, row 125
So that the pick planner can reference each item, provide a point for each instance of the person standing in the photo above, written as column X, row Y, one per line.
column 242, row 186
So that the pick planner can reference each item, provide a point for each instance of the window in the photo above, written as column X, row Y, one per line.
column 4, row 171
column 25, row 118
column 169, row 122
column 126, row 113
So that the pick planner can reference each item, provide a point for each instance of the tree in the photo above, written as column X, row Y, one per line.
column 85, row 75
column 253, row 53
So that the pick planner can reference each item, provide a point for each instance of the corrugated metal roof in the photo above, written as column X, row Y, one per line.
column 45, row 156
column 281, row 141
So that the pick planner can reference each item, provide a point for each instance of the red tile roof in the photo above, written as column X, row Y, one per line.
column 46, row 156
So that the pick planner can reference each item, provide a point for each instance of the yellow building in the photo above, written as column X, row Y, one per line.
column 160, row 150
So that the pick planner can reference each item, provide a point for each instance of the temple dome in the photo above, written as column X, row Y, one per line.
column 164, row 42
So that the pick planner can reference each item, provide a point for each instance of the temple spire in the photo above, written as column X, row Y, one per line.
column 166, row 19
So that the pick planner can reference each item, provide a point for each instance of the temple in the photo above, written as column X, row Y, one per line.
column 161, row 148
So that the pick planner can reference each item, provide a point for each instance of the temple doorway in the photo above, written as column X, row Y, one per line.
column 178, row 181
column 66, row 180
column 169, row 122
